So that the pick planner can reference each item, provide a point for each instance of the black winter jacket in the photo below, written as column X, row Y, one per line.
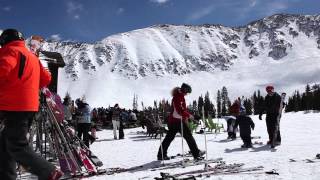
column 271, row 104
column 245, row 123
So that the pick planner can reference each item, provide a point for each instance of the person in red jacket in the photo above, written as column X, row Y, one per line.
column 21, row 77
column 179, row 113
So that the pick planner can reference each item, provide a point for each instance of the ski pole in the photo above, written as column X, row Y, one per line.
column 182, row 153
column 162, row 160
column 205, row 142
column 161, row 125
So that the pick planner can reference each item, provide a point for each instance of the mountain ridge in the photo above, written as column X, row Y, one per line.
column 152, row 60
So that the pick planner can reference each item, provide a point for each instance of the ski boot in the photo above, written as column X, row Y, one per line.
column 248, row 145
column 165, row 157
column 243, row 146
column 201, row 153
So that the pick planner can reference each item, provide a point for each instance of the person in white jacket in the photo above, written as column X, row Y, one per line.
column 116, row 120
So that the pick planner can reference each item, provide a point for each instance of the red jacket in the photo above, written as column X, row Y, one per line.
column 20, row 84
column 179, row 109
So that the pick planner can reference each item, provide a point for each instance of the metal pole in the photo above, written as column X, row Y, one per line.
column 182, row 151
column 205, row 141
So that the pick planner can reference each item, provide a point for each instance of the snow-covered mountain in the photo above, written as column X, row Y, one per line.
column 282, row 49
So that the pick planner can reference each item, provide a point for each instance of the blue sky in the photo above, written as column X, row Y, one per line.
column 92, row 20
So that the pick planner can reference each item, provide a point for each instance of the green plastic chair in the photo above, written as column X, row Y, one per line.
column 215, row 126
column 192, row 126
column 208, row 125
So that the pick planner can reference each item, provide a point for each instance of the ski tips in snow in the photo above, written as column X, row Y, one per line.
column 273, row 171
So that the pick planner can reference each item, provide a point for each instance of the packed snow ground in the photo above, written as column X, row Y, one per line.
column 300, row 140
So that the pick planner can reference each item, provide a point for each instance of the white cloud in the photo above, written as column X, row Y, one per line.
column 252, row 3
column 200, row 13
column 274, row 7
column 73, row 8
column 262, row 8
column 77, row 16
column 55, row 37
column 7, row 8
column 120, row 10
column 159, row 1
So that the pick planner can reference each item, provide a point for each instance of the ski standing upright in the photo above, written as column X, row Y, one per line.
column 276, row 129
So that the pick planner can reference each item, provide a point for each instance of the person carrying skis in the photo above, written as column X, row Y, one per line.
column 271, row 107
column 21, row 77
column 245, row 125
column 178, row 114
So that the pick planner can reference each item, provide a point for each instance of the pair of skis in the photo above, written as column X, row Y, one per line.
column 219, row 169
column 277, row 127
column 74, row 157
column 186, row 163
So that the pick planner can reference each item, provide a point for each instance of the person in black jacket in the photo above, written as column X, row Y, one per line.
column 271, row 107
column 245, row 124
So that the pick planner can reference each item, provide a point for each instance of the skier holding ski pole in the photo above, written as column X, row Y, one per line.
column 21, row 76
column 178, row 123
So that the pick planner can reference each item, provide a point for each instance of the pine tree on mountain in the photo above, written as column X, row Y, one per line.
column 207, row 107
column 290, row 105
column 316, row 97
column 297, row 102
column 248, row 106
column 200, row 104
column 255, row 103
column 225, row 101
column 213, row 113
column 195, row 107
column 218, row 104
column 309, row 97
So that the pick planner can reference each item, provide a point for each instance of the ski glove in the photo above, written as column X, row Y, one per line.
column 260, row 116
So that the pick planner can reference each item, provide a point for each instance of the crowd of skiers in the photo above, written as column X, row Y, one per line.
column 21, row 76
column 85, row 119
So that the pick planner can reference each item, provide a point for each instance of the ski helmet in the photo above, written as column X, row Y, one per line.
column 9, row 35
column 269, row 88
column 186, row 88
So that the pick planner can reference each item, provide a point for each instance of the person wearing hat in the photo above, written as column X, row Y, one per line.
column 271, row 108
column 179, row 113
column 84, row 121
column 21, row 77
column 245, row 125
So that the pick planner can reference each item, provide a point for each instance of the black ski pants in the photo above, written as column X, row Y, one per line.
column 173, row 129
column 83, row 130
column 121, row 133
column 271, row 121
column 246, row 139
column 14, row 148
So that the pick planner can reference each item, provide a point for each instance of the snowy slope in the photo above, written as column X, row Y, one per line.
column 299, row 141
column 281, row 49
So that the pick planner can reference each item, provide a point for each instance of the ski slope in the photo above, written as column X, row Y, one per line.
column 300, row 140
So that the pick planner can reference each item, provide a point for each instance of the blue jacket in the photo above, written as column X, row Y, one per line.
column 86, row 114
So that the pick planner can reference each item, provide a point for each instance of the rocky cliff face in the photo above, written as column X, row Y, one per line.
column 163, row 50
